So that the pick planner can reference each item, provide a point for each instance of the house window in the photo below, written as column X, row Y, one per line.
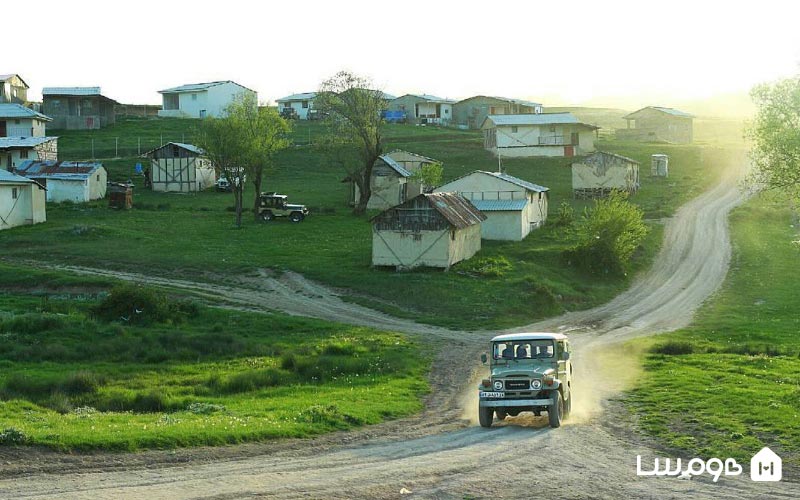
column 23, row 154
column 194, row 97
column 514, row 129
column 305, row 104
column 14, row 193
column 98, row 177
column 447, row 111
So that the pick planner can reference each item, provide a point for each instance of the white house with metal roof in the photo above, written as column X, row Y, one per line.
column 297, row 104
column 658, row 124
column 77, row 182
column 513, row 207
column 199, row 100
column 393, row 180
column 22, row 201
column 547, row 134
column 23, row 136
column 424, row 108
column 181, row 168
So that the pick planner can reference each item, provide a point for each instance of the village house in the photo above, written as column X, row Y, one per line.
column 78, row 108
column 471, row 112
column 434, row 230
column 23, row 136
column 392, row 180
column 513, row 207
column 22, row 201
column 656, row 124
column 424, row 109
column 181, row 168
column 77, row 182
column 548, row 134
column 13, row 89
column 297, row 105
column 199, row 100
column 600, row 173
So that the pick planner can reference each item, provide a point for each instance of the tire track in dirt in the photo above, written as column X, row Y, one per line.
column 593, row 456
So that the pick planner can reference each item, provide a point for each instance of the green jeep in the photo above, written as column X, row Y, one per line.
column 275, row 205
column 529, row 372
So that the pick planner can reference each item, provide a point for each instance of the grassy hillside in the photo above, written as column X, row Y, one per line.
column 193, row 234
column 730, row 384
column 72, row 380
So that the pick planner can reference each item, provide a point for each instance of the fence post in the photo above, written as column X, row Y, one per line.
column 92, row 148
column 162, row 139
column 139, row 146
column 116, row 147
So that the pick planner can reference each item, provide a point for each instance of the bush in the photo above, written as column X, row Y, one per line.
column 565, row 215
column 673, row 348
column 608, row 235
column 12, row 436
column 199, row 408
column 136, row 304
column 487, row 267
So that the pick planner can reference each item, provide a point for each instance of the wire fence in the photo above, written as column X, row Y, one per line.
column 108, row 148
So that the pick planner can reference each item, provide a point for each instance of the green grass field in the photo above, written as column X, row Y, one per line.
column 193, row 234
column 71, row 380
column 730, row 383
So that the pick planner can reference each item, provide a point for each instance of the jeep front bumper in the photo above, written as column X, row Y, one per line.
column 500, row 403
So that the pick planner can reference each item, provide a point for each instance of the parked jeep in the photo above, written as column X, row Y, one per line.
column 528, row 372
column 275, row 205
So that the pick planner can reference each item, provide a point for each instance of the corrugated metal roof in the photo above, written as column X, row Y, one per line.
column 499, row 205
column 20, row 111
column 421, row 157
column 529, row 119
column 458, row 211
column 58, row 169
column 71, row 91
column 189, row 147
column 429, row 98
column 298, row 97
column 196, row 87
column 600, row 154
column 508, row 178
column 669, row 111
column 23, row 142
column 505, row 99
column 395, row 166
column 7, row 177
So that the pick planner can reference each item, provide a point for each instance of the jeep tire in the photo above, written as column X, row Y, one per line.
column 501, row 414
column 485, row 416
column 556, row 410
column 296, row 217
column 568, row 405
column 267, row 215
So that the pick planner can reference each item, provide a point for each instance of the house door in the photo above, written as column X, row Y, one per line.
column 575, row 139
column 569, row 151
column 3, row 129
column 8, row 163
column 202, row 113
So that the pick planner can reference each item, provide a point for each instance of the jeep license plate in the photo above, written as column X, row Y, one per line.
column 491, row 394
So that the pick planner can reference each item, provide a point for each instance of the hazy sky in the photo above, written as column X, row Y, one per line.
column 558, row 53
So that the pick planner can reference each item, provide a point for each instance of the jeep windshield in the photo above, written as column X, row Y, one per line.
column 523, row 349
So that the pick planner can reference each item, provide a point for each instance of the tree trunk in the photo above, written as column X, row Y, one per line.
column 257, row 202
column 237, row 195
column 364, row 193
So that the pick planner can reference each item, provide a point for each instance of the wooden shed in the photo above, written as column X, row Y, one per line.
column 434, row 230
column 393, row 180
column 513, row 207
column 181, row 168
column 599, row 173
column 22, row 201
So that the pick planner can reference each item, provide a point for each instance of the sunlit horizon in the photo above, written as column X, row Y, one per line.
column 618, row 54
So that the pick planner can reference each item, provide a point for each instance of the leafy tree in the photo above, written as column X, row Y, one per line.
column 353, row 141
column 243, row 144
column 608, row 234
column 775, row 134
column 428, row 175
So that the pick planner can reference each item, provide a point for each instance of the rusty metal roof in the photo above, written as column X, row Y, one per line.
column 58, row 169
column 458, row 211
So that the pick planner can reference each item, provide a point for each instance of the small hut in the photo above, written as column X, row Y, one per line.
column 22, row 201
column 120, row 196
column 181, row 168
column 434, row 230
column 74, row 181
column 659, row 165
column 600, row 173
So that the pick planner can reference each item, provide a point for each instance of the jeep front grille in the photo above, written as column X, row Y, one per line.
column 515, row 385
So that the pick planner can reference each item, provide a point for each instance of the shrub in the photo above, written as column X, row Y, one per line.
column 565, row 215
column 80, row 383
column 199, row 408
column 673, row 348
column 136, row 304
column 487, row 267
column 12, row 436
column 608, row 235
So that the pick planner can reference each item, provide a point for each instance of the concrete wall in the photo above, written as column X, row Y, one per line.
column 302, row 112
column 426, row 248
column 504, row 225
column 93, row 187
column 24, row 127
column 525, row 141
column 78, row 112
column 10, row 159
column 13, row 91
column 619, row 177
column 651, row 125
column 220, row 96
column 387, row 188
column 202, row 103
column 27, row 208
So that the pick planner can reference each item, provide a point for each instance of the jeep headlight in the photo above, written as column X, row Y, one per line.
column 548, row 379
column 536, row 384
column 498, row 385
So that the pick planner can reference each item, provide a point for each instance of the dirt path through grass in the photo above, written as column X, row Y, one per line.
column 439, row 454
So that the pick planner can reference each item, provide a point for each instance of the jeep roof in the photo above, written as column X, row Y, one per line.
column 529, row 336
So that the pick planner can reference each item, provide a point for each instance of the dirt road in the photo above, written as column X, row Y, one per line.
column 436, row 454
